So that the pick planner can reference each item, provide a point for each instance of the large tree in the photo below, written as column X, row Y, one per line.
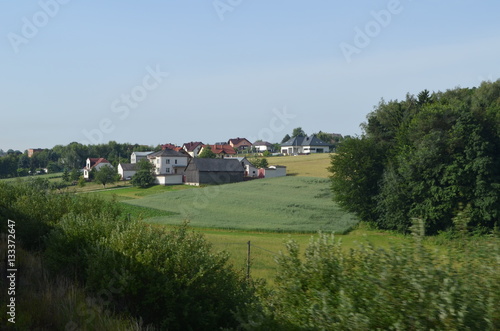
column 106, row 175
column 144, row 176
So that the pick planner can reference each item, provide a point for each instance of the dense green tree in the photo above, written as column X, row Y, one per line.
column 437, row 156
column 106, row 175
column 298, row 132
column 207, row 153
column 144, row 176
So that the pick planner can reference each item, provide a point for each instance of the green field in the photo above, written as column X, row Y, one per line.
column 286, row 204
column 314, row 165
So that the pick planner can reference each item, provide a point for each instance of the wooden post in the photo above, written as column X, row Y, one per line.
column 248, row 261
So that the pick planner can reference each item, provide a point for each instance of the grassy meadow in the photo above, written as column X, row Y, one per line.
column 313, row 165
column 285, row 204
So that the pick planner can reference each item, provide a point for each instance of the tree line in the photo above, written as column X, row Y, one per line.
column 434, row 156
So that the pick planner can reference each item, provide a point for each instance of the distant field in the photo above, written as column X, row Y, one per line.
column 286, row 204
column 313, row 165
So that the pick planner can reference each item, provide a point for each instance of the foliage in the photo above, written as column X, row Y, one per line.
column 207, row 153
column 144, row 176
column 435, row 153
column 407, row 287
column 259, row 162
column 298, row 132
column 106, row 175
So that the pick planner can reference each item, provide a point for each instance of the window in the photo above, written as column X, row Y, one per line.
column 168, row 170
column 175, row 161
column 168, row 161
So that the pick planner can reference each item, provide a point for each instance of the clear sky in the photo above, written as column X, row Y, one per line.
column 153, row 72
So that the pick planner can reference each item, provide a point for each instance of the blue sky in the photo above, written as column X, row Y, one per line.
column 177, row 71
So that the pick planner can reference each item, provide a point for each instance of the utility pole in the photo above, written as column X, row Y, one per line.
column 248, row 261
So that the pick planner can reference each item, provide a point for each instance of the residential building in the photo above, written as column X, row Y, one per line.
column 272, row 171
column 213, row 171
column 220, row 150
column 304, row 145
column 169, row 166
column 262, row 146
column 32, row 151
column 240, row 143
column 250, row 169
column 193, row 148
column 137, row 156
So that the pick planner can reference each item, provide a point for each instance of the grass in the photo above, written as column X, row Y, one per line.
column 286, row 204
column 314, row 165
column 50, row 177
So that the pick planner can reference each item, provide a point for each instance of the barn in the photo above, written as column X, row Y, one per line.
column 213, row 171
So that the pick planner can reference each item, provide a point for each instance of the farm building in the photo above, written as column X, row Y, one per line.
column 250, row 169
column 272, row 171
column 213, row 171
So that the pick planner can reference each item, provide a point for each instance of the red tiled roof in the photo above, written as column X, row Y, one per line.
column 170, row 146
column 222, row 149
column 96, row 161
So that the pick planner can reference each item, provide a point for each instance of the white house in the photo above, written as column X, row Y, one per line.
column 94, row 163
column 137, row 156
column 304, row 145
column 127, row 170
column 169, row 166
column 193, row 148
column 262, row 146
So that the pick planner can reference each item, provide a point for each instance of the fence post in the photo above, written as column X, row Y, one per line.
column 248, row 261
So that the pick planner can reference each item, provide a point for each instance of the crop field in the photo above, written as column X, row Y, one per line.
column 286, row 204
column 313, row 165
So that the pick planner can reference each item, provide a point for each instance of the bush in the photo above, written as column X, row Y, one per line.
column 406, row 288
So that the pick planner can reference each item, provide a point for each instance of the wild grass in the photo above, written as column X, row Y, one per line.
column 286, row 204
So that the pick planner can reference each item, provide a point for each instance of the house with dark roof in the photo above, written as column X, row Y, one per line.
column 213, row 171
column 304, row 145
column 193, row 148
column 169, row 166
column 262, row 146
column 127, row 170
column 94, row 163
column 239, row 143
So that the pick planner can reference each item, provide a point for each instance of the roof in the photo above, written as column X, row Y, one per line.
column 217, row 165
column 191, row 146
column 166, row 152
column 262, row 143
column 129, row 166
column 305, row 141
column 96, row 161
column 175, row 148
column 220, row 149
column 240, row 159
column 237, row 141
column 142, row 153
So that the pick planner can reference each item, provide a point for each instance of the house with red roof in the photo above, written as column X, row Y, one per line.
column 171, row 146
column 220, row 150
column 94, row 163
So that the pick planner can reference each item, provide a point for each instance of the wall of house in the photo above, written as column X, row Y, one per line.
column 220, row 177
column 168, row 180
column 274, row 172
